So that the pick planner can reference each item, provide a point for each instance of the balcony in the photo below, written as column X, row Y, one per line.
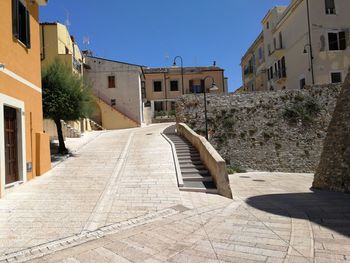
column 278, row 51
column 280, row 76
column 248, row 71
column 71, row 62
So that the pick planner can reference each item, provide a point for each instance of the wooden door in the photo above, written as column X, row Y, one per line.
column 11, row 152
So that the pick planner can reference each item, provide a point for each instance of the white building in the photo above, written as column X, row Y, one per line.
column 117, row 86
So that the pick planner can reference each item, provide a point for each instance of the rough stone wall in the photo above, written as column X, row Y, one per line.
column 333, row 171
column 269, row 131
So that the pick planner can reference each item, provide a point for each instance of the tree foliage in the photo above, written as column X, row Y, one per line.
column 66, row 96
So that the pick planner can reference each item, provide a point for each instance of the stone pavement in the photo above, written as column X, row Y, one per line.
column 117, row 176
column 273, row 217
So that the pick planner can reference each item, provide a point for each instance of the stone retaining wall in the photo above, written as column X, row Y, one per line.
column 270, row 131
column 333, row 171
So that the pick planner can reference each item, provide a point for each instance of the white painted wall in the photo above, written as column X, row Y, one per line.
column 128, row 84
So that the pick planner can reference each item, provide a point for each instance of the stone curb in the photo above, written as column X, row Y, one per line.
column 83, row 237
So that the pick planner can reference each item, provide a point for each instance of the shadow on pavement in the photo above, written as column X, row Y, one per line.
column 325, row 208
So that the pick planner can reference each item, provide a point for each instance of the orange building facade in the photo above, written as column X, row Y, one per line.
column 24, row 148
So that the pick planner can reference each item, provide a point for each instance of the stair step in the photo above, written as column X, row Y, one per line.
column 199, row 185
column 188, row 154
column 197, row 177
column 191, row 165
column 194, row 171
column 189, row 161
column 186, row 151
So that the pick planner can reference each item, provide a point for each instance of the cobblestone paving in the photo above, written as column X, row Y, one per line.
column 273, row 218
column 124, row 175
column 82, row 193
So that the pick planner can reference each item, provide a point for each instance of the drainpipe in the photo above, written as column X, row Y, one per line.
column 43, row 39
column 310, row 42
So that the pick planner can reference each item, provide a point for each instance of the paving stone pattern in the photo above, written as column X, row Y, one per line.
column 273, row 218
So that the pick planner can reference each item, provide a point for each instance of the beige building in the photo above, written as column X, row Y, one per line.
column 305, row 43
column 164, row 85
column 117, row 87
column 253, row 67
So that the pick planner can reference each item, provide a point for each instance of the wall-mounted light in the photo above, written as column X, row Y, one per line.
column 2, row 66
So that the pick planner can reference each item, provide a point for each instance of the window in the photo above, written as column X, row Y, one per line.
column 174, row 85
column 143, row 89
column 267, row 24
column 337, row 40
column 21, row 22
column 157, row 86
column 302, row 83
column 281, row 40
column 330, row 7
column 274, row 43
column 158, row 106
column 283, row 65
column 271, row 72
column 173, row 105
column 111, row 82
column 260, row 53
column 268, row 74
column 336, row 77
column 113, row 102
column 269, row 48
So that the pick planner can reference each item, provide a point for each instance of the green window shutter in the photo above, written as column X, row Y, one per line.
column 15, row 18
column 27, row 29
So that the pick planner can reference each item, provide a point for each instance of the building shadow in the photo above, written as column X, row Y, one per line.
column 325, row 208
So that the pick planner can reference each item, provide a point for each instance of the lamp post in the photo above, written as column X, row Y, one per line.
column 213, row 88
column 311, row 58
column 182, row 72
column 310, row 41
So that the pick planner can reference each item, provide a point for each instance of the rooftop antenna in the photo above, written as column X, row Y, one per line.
column 214, row 63
column 67, row 21
column 86, row 42
column 166, row 58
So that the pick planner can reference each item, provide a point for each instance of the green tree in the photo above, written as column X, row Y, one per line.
column 66, row 96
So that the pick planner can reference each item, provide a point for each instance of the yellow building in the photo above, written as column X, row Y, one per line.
column 25, row 151
column 57, row 43
column 164, row 85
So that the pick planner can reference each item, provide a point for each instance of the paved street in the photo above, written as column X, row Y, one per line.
column 123, row 184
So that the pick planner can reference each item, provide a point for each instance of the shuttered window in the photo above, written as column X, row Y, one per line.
column 21, row 22
column 337, row 41
column 330, row 7
column 111, row 82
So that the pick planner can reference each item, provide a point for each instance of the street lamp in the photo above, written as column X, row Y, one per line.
column 182, row 72
column 213, row 88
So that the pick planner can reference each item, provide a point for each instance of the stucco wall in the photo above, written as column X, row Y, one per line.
column 166, row 93
column 127, row 92
column 25, row 63
column 254, row 130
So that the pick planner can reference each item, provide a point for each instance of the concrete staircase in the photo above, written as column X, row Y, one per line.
column 195, row 175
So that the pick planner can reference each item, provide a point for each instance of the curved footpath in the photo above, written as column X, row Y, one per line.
column 117, row 201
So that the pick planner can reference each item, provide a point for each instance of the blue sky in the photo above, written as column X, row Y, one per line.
column 153, row 32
